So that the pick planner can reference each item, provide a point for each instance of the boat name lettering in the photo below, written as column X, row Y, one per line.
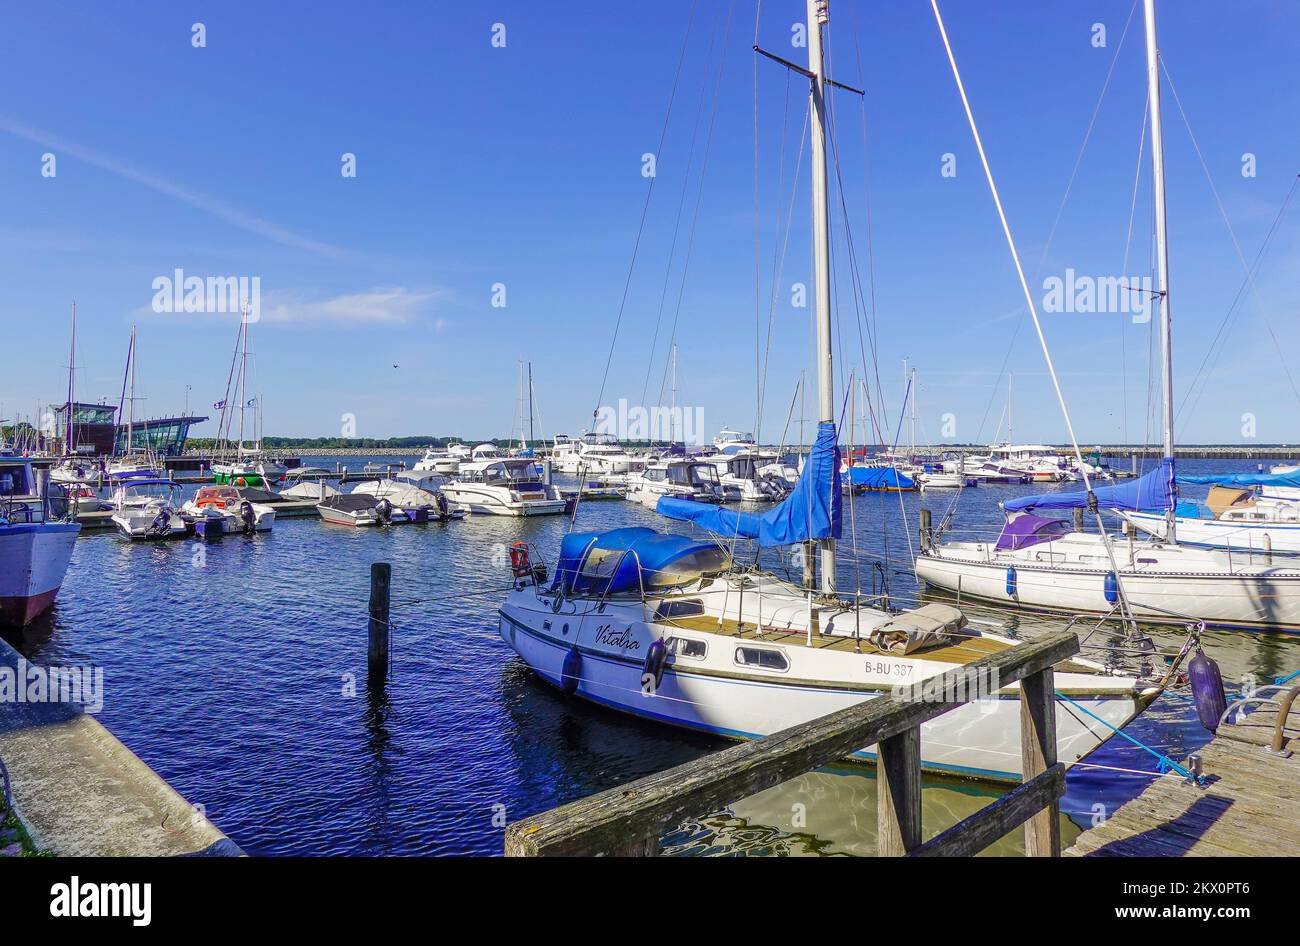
column 605, row 634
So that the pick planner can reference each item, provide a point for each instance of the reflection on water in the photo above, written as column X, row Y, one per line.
column 240, row 675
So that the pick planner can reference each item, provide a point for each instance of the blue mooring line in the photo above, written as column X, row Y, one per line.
column 1287, row 679
column 1166, row 763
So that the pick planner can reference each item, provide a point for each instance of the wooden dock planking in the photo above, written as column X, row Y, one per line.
column 1247, row 809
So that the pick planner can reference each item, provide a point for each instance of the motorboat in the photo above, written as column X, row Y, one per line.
column 438, row 460
column 681, row 478
column 148, row 509
column 225, row 510
column 307, row 484
column 355, row 509
column 503, row 486
column 742, row 480
column 35, row 543
column 415, row 495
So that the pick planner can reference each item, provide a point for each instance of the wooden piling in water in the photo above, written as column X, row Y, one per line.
column 926, row 534
column 381, row 576
column 1078, row 520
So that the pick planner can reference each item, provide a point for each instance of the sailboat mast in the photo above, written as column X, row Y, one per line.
column 243, row 390
column 818, row 14
column 530, row 402
column 69, row 440
column 130, row 404
column 672, row 415
column 1162, row 247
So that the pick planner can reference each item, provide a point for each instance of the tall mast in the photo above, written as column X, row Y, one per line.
column 530, row 402
column 1162, row 248
column 912, row 385
column 69, row 440
column 130, row 404
column 243, row 379
column 818, row 14
column 1010, row 439
column 672, row 415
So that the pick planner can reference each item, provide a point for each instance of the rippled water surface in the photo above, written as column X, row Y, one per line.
column 237, row 670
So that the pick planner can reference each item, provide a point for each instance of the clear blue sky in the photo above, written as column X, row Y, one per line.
column 522, row 165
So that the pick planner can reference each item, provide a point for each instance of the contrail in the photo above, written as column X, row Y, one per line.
column 203, row 202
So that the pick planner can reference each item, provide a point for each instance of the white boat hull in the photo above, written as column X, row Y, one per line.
column 980, row 739
column 33, row 561
column 1248, row 596
column 496, row 501
column 1249, row 537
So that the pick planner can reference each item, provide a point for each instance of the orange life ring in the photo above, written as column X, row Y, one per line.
column 240, row 481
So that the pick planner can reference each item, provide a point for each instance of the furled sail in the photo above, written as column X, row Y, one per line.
column 811, row 511
column 1152, row 491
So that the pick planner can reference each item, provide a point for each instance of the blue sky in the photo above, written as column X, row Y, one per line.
column 521, row 165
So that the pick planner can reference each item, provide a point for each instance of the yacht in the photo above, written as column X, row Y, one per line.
column 35, row 544
column 148, row 509
column 438, row 460
column 502, row 486
column 676, row 630
column 415, row 495
column 680, row 478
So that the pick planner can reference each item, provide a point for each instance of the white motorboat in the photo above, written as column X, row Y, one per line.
column 680, row 478
column 148, row 509
column 503, row 486
column 599, row 458
column 742, row 479
column 438, row 460
column 415, row 495
column 225, row 510
column 355, row 509
column 308, row 484
column 35, row 545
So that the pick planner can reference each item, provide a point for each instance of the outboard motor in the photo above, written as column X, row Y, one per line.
column 1207, row 690
column 444, row 507
column 248, row 516
column 161, row 522
column 384, row 509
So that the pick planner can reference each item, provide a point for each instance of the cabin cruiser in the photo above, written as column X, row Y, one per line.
column 438, row 460
column 225, row 510
column 598, row 458
column 681, row 478
column 503, row 486
column 133, row 466
column 146, row 509
column 730, row 441
column 743, row 479
column 35, row 542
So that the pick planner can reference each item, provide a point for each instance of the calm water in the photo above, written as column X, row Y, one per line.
column 237, row 670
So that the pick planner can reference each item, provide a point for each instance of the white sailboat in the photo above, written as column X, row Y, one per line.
column 249, row 466
column 1039, row 563
column 132, row 462
column 663, row 627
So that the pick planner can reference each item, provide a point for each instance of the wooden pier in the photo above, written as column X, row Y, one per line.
column 1247, row 808
column 630, row 819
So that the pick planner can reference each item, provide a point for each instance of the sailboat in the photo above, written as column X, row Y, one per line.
column 248, row 466
column 132, row 462
column 669, row 628
column 1040, row 563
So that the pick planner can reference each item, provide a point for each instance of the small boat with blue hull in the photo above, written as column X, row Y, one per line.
column 35, row 544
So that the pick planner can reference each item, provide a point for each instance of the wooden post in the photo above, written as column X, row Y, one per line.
column 810, row 566
column 381, row 575
column 1037, row 755
column 925, row 530
column 1078, row 520
column 898, row 789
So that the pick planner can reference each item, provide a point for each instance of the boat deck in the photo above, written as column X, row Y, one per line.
column 1246, row 809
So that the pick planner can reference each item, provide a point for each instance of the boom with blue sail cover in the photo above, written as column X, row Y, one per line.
column 1245, row 480
column 813, row 510
column 1154, row 490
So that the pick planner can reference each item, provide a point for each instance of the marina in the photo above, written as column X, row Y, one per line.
column 552, row 489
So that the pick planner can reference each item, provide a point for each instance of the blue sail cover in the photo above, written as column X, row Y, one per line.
column 879, row 477
column 1246, row 480
column 811, row 511
column 1154, row 490
column 631, row 559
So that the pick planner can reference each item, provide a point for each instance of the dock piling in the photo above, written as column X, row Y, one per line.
column 381, row 576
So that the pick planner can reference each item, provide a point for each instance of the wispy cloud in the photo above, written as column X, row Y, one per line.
column 389, row 305
column 200, row 201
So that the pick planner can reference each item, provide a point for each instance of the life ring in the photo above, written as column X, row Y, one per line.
column 241, row 482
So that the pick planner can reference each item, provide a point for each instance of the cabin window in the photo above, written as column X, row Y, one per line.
column 13, row 481
column 687, row 608
column 762, row 658
column 686, row 647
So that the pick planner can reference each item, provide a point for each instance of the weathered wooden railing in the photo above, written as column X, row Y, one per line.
column 630, row 819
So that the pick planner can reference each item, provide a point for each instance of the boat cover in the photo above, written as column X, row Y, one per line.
column 1024, row 529
column 879, row 477
column 1155, row 490
column 630, row 559
column 811, row 511
column 350, row 502
column 1246, row 479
